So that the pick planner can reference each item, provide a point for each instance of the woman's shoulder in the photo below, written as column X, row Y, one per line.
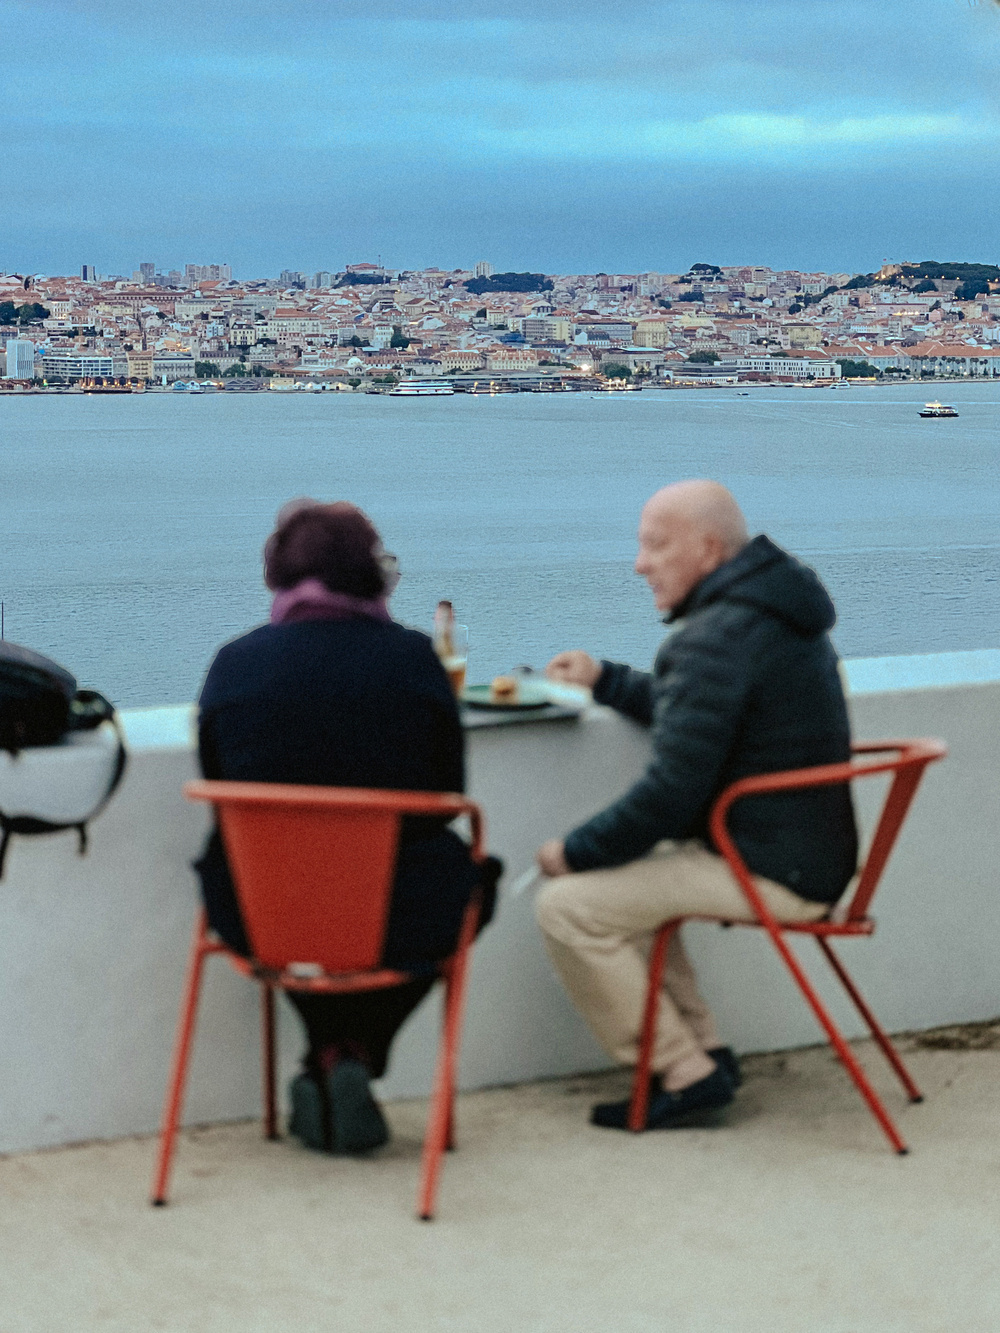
column 267, row 646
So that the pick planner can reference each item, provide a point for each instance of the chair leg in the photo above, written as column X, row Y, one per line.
column 268, row 1042
column 874, row 1027
column 200, row 948
column 450, row 1143
column 847, row 1056
column 640, row 1083
column 440, row 1119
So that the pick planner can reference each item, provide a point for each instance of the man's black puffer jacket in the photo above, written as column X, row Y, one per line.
column 747, row 683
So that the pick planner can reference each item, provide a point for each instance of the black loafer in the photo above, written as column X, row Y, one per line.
column 725, row 1058
column 671, row 1110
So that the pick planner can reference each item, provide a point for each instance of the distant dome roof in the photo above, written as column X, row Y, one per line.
column 354, row 361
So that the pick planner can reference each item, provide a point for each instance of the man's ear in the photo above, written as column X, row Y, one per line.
column 714, row 550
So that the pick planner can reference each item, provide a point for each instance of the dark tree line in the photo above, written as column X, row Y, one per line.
column 29, row 313
column 510, row 282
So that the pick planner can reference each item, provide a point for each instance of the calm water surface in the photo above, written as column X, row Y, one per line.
column 132, row 526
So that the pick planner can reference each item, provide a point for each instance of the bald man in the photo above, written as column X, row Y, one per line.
column 747, row 682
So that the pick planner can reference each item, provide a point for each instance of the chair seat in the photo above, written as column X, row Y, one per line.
column 324, row 983
column 863, row 926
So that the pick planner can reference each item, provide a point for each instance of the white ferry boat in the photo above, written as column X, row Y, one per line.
column 938, row 410
column 422, row 389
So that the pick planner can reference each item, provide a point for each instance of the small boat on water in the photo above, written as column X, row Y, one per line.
column 938, row 410
column 422, row 389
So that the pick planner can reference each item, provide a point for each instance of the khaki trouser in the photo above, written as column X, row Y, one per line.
column 598, row 927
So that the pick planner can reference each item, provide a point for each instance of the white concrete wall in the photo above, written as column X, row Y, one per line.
column 93, row 949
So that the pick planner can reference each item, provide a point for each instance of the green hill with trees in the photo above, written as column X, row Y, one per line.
column 510, row 282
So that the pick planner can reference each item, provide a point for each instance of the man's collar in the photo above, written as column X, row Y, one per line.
column 756, row 553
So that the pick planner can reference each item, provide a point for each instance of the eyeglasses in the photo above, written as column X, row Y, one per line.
column 391, row 572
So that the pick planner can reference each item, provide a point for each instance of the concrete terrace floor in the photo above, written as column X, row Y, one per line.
column 790, row 1216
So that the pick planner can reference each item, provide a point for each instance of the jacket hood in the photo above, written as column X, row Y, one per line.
column 764, row 576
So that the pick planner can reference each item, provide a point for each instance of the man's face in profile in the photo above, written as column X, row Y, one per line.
column 673, row 555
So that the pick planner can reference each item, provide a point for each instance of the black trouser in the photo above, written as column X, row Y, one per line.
column 362, row 1024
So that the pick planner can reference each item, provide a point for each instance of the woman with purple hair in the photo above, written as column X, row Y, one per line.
column 333, row 691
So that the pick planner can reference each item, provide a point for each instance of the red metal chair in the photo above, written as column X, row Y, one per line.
column 313, row 869
column 907, row 768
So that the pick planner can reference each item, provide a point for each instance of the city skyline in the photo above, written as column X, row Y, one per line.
column 711, row 324
column 799, row 134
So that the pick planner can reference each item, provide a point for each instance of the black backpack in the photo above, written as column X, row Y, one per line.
column 39, row 705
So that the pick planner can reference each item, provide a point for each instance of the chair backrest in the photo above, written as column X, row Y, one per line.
column 313, row 867
column 909, row 759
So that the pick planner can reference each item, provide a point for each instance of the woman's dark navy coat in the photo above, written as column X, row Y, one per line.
column 346, row 703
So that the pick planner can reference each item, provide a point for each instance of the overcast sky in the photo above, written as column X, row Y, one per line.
column 564, row 135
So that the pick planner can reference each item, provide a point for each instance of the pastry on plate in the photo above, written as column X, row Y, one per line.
column 503, row 690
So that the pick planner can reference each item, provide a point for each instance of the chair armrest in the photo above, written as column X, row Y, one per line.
column 908, row 760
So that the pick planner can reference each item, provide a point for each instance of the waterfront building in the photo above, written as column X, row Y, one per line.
column 954, row 358
column 650, row 360
column 458, row 358
column 783, row 367
column 140, row 364
column 171, row 366
column 74, row 365
column 511, row 358
column 20, row 359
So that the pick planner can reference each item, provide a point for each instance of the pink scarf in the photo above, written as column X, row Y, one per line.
column 313, row 600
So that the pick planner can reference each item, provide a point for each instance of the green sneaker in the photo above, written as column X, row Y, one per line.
column 309, row 1120
column 357, row 1122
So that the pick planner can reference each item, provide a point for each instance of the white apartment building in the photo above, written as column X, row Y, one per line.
column 545, row 328
column 294, row 321
column 72, row 365
column 20, row 359
column 797, row 367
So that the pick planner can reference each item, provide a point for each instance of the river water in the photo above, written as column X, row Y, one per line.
column 132, row 526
